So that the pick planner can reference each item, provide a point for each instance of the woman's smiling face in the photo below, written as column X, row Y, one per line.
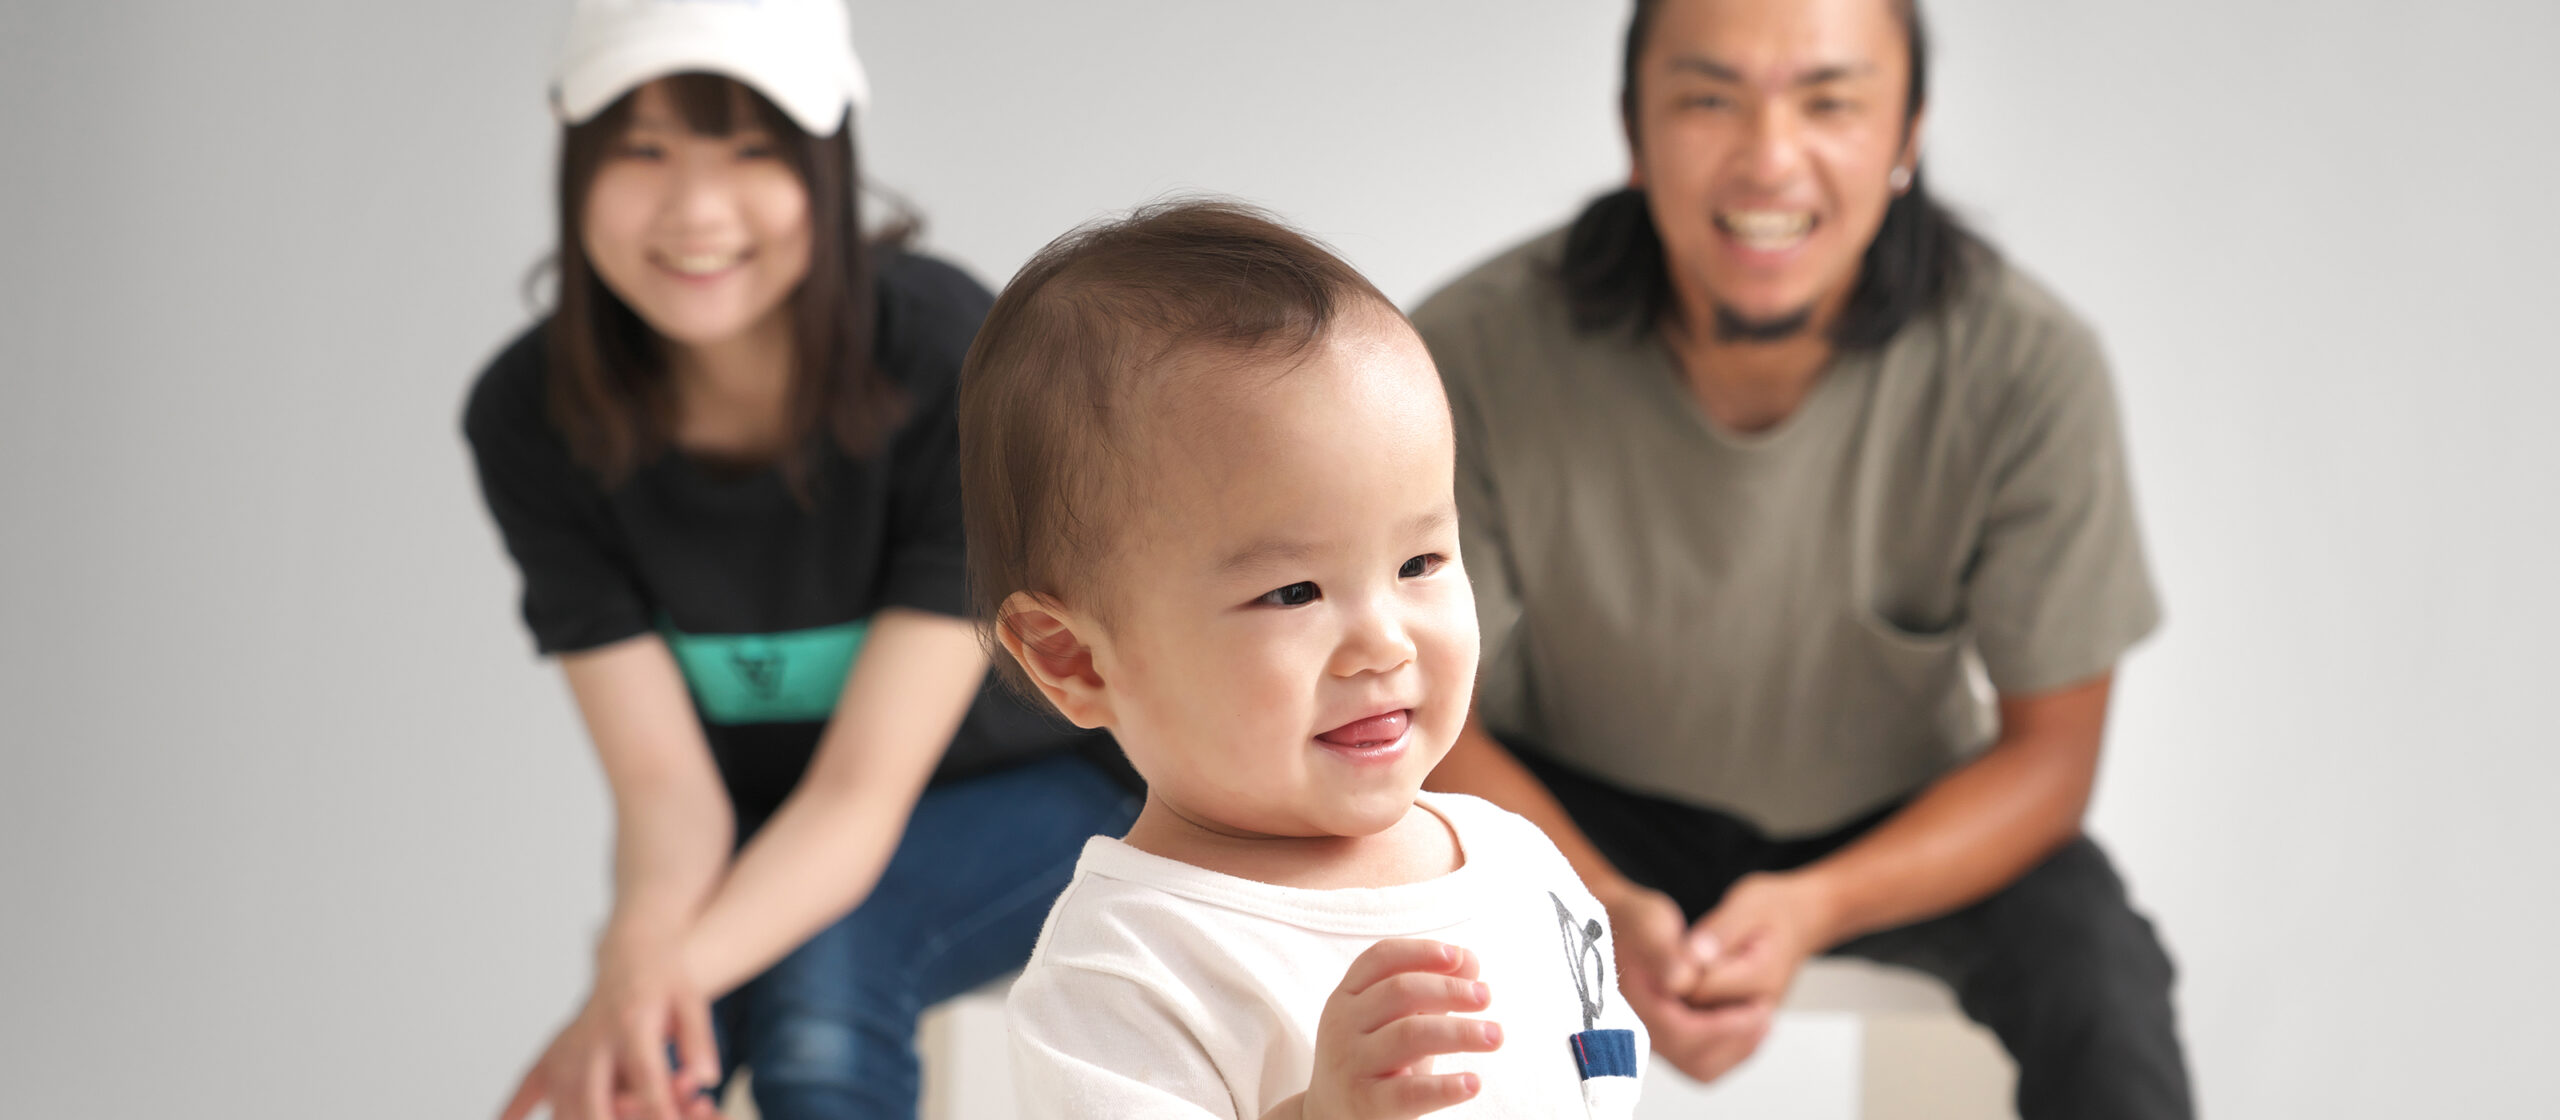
column 705, row 237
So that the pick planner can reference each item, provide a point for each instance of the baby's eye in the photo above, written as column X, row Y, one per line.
column 1422, row 565
column 1295, row 595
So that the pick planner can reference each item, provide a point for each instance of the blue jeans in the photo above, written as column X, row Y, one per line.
column 830, row 1029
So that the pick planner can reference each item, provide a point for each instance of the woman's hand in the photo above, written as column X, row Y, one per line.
column 611, row 1060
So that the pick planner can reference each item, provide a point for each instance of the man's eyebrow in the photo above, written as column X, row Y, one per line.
column 1707, row 66
column 1726, row 72
column 1837, row 71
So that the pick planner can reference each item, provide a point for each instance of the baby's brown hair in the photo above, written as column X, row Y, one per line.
column 1055, row 390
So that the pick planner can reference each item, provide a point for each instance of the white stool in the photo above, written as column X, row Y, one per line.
column 1856, row 1041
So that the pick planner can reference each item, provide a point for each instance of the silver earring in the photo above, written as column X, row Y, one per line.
column 1900, row 179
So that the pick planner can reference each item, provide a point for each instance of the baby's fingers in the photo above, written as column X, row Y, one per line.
column 1415, row 993
column 1402, row 1098
column 1404, row 954
column 1416, row 1039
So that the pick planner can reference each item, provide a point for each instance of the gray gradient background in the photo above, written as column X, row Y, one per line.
column 292, row 822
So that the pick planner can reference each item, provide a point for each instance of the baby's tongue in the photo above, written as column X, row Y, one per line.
column 1375, row 729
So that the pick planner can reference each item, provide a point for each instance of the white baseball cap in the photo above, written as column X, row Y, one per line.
column 797, row 53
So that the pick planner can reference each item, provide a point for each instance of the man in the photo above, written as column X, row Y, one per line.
column 1805, row 551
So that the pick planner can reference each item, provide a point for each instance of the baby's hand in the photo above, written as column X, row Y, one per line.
column 1381, row 1028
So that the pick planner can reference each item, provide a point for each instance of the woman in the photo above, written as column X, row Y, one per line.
column 725, row 467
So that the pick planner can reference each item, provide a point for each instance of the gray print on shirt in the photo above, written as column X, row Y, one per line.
column 1581, row 942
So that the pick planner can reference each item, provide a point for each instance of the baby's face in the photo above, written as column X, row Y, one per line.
column 1293, row 643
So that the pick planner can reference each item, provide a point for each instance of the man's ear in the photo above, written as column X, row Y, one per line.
column 1043, row 637
column 1907, row 161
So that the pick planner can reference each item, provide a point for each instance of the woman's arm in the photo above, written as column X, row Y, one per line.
column 825, row 848
column 672, row 827
column 672, row 822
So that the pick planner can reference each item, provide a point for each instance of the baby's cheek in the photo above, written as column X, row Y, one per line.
column 1454, row 653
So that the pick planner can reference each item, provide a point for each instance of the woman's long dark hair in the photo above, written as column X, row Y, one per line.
column 1614, row 271
column 609, row 388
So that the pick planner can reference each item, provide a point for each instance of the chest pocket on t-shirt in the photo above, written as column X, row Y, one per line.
column 791, row 677
column 1604, row 1057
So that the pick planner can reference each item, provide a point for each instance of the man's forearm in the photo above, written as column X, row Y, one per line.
column 1479, row 766
column 1977, row 829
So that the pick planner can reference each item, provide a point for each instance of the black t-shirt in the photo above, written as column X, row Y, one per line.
column 763, row 599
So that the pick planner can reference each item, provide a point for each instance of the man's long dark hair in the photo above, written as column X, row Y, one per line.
column 1614, row 272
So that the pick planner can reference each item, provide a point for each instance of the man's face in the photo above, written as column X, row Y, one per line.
column 1767, row 133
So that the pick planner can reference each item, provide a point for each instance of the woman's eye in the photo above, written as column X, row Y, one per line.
column 758, row 151
column 1420, row 566
column 640, row 151
column 1295, row 595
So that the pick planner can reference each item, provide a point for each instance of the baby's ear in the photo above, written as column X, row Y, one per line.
column 1043, row 637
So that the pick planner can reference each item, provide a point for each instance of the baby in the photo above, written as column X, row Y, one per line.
column 1207, row 472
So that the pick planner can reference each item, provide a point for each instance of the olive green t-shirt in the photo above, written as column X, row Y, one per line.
column 1794, row 625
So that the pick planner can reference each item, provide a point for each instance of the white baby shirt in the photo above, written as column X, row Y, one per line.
column 1160, row 989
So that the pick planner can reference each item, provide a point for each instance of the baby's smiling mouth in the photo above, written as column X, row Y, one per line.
column 1375, row 731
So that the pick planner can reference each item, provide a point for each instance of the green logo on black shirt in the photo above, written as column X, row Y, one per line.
column 790, row 677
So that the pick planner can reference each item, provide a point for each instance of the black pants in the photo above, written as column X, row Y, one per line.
column 2057, row 964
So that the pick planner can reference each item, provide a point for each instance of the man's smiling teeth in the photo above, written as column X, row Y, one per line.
column 701, row 264
column 1766, row 229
